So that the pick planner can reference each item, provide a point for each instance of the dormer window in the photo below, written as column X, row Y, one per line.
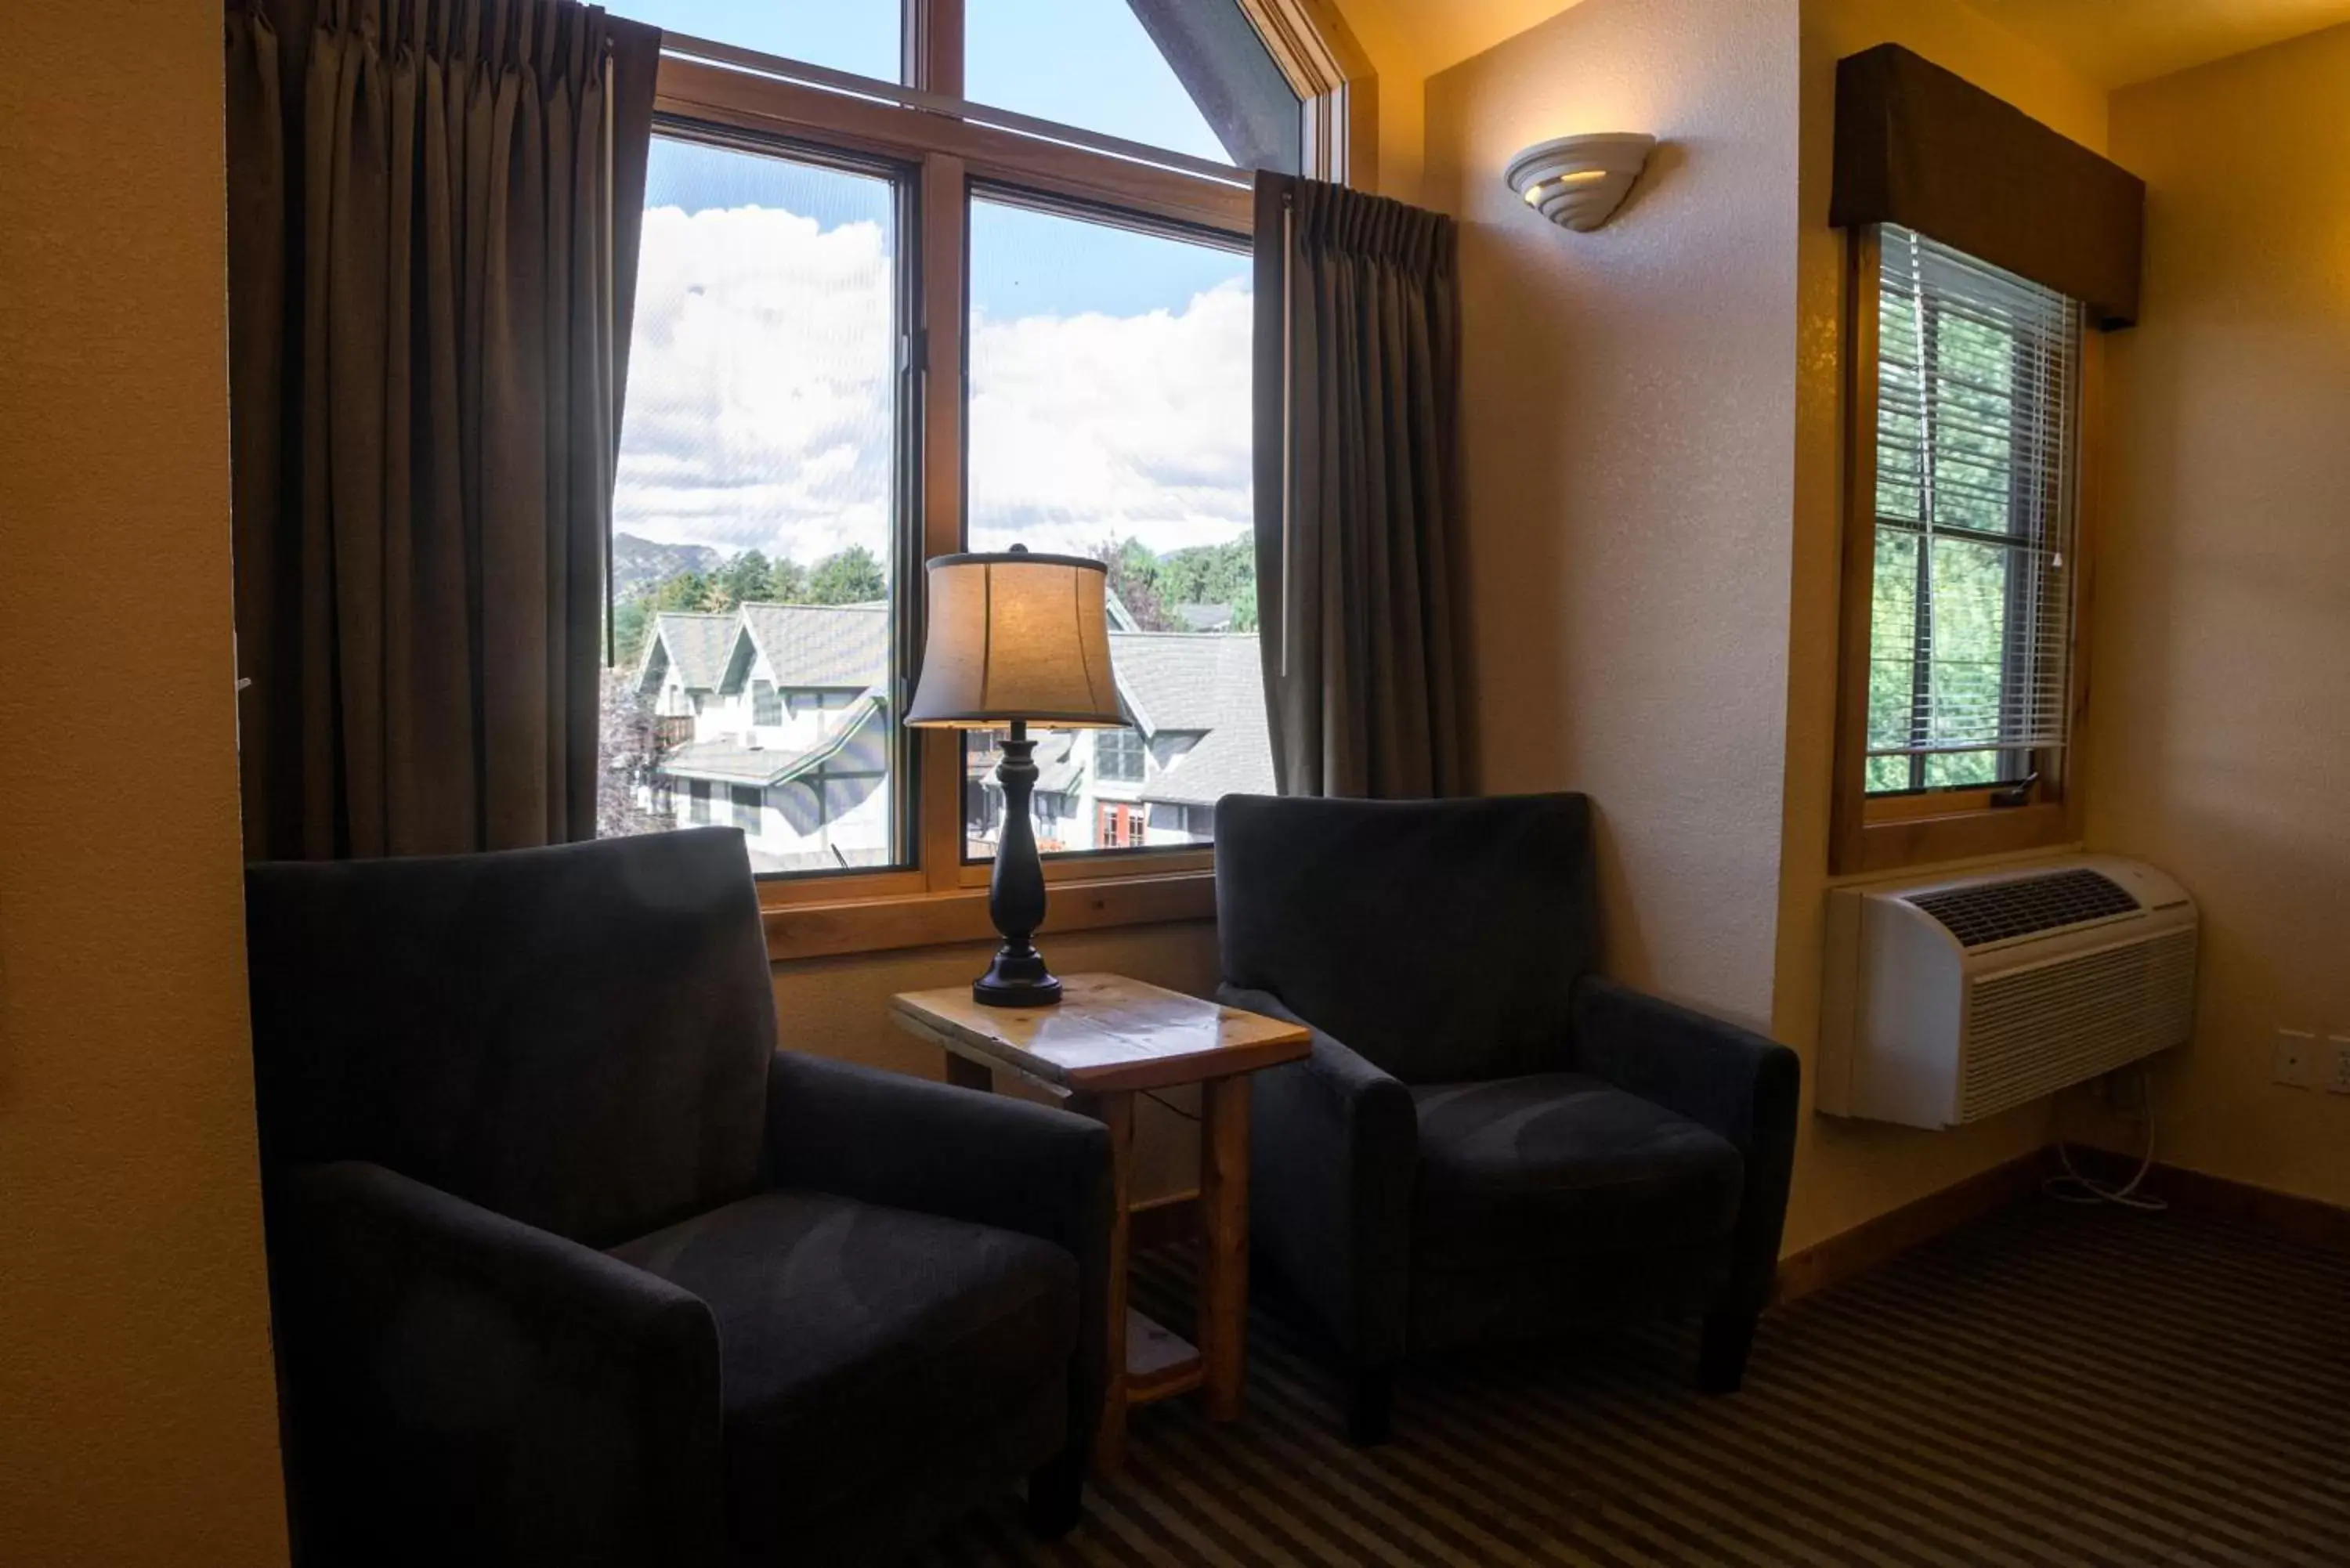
column 1118, row 755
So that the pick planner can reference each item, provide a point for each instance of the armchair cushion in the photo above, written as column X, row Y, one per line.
column 856, row 1341
column 1557, row 1165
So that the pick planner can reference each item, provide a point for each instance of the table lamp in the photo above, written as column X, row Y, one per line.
column 1015, row 638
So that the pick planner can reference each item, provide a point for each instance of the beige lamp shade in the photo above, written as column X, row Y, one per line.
column 1016, row 636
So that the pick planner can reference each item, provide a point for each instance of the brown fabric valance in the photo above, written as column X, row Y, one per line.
column 1921, row 146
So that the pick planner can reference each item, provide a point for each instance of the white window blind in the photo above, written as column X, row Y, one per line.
column 1971, row 621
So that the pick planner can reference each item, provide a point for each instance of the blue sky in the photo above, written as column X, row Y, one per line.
column 1080, row 62
column 1022, row 262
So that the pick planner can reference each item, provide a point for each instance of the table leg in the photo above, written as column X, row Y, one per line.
column 1223, row 1242
column 1116, row 1112
column 965, row 1074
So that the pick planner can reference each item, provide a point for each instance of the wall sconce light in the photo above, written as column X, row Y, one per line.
column 1578, row 182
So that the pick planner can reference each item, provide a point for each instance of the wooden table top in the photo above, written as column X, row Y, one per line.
column 1108, row 1032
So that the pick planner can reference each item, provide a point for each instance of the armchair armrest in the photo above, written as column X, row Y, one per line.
column 1335, row 1146
column 568, row 1402
column 886, row 1137
column 1740, row 1084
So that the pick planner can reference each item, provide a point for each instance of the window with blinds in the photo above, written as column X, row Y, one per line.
column 1971, row 622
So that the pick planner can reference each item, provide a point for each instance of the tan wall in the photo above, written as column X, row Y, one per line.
column 1626, row 425
column 2222, row 628
column 137, row 1416
column 1849, row 1172
column 839, row 1007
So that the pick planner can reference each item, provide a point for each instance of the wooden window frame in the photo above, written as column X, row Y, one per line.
column 918, row 129
column 1875, row 834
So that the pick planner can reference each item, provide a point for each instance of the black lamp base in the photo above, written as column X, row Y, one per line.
column 997, row 989
column 1015, row 892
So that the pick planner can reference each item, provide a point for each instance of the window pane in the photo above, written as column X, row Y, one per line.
column 1970, row 613
column 857, row 35
column 1109, row 417
column 754, row 520
column 1094, row 64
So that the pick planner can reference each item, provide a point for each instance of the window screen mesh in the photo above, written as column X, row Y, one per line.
column 1971, row 623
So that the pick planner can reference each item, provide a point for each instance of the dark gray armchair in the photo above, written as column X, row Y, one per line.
column 571, row 1265
column 1490, row 1140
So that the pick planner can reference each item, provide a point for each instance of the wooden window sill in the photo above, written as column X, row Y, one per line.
column 813, row 930
column 1899, row 840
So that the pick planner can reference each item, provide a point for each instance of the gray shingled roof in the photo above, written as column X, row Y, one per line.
column 726, row 760
column 822, row 645
column 1182, row 680
column 1234, row 758
column 1210, row 682
column 696, row 642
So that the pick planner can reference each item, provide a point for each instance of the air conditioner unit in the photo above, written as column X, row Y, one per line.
column 1950, row 999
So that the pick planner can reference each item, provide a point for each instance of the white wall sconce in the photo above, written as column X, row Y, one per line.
column 1578, row 182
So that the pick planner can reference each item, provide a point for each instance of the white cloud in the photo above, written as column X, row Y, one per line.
column 1087, row 428
column 754, row 418
column 759, row 403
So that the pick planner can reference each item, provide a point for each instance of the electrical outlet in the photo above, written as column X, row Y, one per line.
column 2338, row 1081
column 2296, row 1059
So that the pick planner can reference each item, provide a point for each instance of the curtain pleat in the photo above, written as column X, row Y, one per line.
column 426, row 277
column 1355, row 353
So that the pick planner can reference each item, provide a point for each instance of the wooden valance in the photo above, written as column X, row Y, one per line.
column 1924, row 148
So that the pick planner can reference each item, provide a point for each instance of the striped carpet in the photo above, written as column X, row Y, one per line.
column 2053, row 1385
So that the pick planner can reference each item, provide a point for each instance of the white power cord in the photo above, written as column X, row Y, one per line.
column 2072, row 1187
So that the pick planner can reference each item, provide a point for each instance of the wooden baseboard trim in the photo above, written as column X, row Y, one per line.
column 1873, row 1242
column 2286, row 1216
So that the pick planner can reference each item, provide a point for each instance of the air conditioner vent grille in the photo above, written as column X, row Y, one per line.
column 1990, row 912
column 2034, row 1030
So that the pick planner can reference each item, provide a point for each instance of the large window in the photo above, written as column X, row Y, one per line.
column 1109, row 417
column 890, row 318
column 1967, row 433
column 758, row 512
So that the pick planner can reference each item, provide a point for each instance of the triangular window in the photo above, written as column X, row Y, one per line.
column 1189, row 76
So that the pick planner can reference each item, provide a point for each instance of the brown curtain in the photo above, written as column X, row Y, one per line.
column 432, row 215
column 1357, row 384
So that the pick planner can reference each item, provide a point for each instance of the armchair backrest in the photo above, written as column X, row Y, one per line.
column 1440, row 940
column 575, row 1037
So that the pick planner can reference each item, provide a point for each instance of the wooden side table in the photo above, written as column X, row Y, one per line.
column 1109, row 1039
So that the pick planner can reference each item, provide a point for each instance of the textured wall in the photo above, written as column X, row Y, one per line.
column 1629, row 417
column 2223, row 651
column 137, row 1419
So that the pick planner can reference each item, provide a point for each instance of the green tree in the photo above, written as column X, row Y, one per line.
column 1222, row 573
column 741, row 580
column 1134, row 579
column 847, row 577
column 787, row 581
column 632, row 617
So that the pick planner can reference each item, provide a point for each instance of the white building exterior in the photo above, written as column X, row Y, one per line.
column 1197, row 699
column 777, row 719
